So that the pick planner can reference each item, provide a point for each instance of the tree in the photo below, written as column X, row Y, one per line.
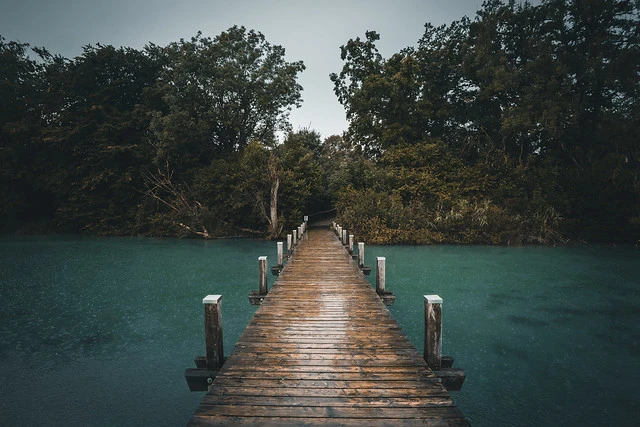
column 21, row 196
column 260, row 183
column 283, row 182
column 220, row 94
column 520, row 91
column 94, row 126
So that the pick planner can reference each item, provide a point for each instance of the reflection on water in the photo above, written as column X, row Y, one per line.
column 99, row 331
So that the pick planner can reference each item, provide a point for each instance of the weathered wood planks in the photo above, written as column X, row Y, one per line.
column 322, row 349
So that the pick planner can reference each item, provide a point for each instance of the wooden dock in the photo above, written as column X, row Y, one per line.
column 322, row 349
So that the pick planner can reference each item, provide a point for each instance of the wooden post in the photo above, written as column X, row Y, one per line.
column 262, row 265
column 289, row 244
column 300, row 232
column 344, row 237
column 280, row 253
column 295, row 237
column 361, row 254
column 433, row 331
column 213, row 331
column 380, row 275
column 351, row 243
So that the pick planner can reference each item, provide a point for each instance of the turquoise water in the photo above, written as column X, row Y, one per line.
column 98, row 331
column 547, row 336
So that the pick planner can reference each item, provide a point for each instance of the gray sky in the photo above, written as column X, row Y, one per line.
column 309, row 30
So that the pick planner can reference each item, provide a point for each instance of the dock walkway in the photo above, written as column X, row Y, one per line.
column 322, row 349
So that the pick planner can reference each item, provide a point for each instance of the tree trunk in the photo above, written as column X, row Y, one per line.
column 274, row 229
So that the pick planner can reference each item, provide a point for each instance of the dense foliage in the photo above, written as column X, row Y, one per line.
column 518, row 126
column 160, row 141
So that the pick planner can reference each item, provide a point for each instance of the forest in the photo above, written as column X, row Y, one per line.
column 520, row 125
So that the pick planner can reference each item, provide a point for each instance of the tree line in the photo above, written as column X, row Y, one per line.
column 175, row 140
column 518, row 126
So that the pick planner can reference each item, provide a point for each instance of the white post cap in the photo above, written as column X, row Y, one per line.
column 433, row 299
column 212, row 299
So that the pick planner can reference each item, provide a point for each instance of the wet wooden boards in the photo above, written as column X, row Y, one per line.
column 323, row 349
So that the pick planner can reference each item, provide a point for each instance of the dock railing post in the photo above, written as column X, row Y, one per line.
column 213, row 331
column 289, row 244
column 442, row 366
column 276, row 269
column 381, row 279
column 344, row 237
column 380, row 275
column 433, row 331
column 351, row 237
column 365, row 270
column 295, row 237
column 262, row 266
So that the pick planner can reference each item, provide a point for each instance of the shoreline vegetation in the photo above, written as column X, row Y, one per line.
column 518, row 126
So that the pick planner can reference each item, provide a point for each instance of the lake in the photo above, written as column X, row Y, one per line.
column 98, row 331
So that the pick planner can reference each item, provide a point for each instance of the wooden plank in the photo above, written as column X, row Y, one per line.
column 309, row 422
column 363, row 413
column 322, row 349
column 327, row 392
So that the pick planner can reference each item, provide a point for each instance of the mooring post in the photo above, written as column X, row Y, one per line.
column 351, row 237
column 262, row 266
column 280, row 253
column 344, row 237
column 276, row 269
column 433, row 331
column 300, row 233
column 339, row 232
column 295, row 237
column 365, row 270
column 289, row 244
column 213, row 331
column 380, row 275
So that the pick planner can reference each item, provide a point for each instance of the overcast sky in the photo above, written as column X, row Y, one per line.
column 309, row 30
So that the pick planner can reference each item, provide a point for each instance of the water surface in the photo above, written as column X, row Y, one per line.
column 98, row 331
column 547, row 336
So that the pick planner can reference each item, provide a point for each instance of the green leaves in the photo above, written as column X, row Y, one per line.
column 225, row 92
column 549, row 87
